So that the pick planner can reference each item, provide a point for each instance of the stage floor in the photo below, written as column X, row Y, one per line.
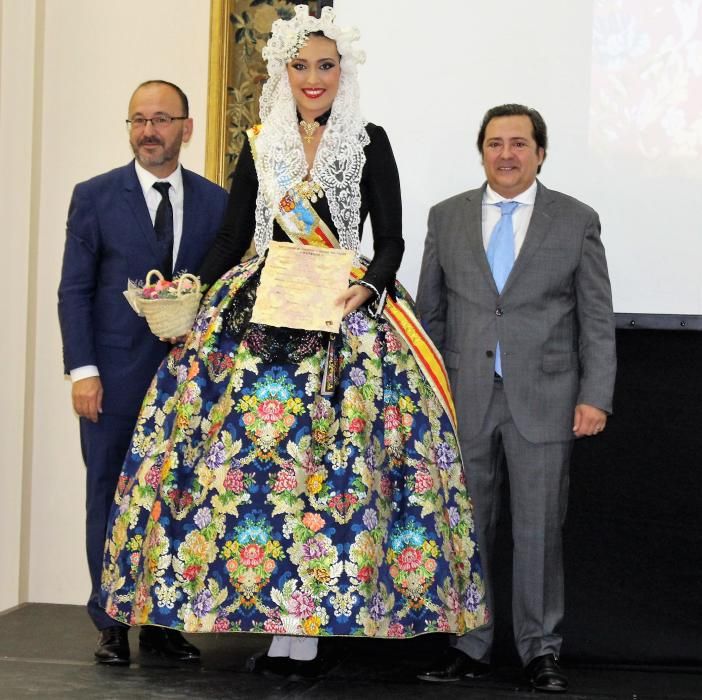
column 46, row 651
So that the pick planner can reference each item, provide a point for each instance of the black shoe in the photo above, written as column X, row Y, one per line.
column 113, row 646
column 269, row 665
column 167, row 642
column 454, row 666
column 314, row 668
column 545, row 673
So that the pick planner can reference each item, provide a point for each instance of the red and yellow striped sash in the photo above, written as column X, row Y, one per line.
column 303, row 226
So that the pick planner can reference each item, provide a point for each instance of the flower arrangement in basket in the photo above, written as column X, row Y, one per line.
column 169, row 307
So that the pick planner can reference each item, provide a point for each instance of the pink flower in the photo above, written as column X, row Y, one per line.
column 285, row 481
column 357, row 425
column 252, row 555
column 153, row 476
column 343, row 502
column 300, row 604
column 273, row 627
column 392, row 417
column 443, row 624
column 386, row 486
column 409, row 559
column 248, row 418
column 407, row 420
column 234, row 481
column 393, row 342
column 423, row 482
column 396, row 630
column 270, row 411
column 308, row 462
column 221, row 625
column 365, row 573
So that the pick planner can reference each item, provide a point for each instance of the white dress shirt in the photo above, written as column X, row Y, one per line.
column 520, row 218
column 153, row 199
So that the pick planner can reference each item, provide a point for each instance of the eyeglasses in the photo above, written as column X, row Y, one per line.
column 159, row 122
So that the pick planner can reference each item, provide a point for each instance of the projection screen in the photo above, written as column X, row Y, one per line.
column 619, row 83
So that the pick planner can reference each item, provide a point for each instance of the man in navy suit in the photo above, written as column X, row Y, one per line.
column 109, row 351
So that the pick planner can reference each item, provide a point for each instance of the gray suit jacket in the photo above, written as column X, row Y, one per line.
column 553, row 319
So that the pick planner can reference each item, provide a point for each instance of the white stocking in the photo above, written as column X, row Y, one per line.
column 280, row 646
column 303, row 648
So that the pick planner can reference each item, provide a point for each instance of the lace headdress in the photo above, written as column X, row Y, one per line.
column 280, row 162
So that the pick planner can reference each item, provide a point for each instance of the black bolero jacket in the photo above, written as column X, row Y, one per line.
column 380, row 197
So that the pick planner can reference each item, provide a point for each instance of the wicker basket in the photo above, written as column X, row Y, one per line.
column 171, row 318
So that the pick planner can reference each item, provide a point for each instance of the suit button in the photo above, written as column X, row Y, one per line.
column 489, row 353
column 498, row 311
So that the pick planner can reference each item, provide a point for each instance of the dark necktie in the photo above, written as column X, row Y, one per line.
column 163, row 225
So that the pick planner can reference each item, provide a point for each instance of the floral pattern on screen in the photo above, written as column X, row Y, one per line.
column 646, row 95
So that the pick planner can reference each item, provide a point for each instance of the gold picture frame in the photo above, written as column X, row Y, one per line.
column 239, row 30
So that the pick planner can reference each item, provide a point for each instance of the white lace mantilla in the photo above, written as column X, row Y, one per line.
column 280, row 156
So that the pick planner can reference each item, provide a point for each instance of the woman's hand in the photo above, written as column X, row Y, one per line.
column 174, row 340
column 355, row 296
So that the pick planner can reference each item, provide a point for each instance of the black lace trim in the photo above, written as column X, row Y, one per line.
column 269, row 343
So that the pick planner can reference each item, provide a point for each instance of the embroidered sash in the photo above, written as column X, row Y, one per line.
column 301, row 223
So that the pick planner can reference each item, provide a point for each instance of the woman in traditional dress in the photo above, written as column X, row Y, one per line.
column 294, row 482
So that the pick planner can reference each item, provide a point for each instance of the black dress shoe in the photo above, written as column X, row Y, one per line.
column 545, row 673
column 454, row 666
column 113, row 646
column 167, row 642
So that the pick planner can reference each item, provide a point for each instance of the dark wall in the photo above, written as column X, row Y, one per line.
column 633, row 536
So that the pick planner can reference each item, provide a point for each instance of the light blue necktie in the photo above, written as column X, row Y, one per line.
column 500, row 255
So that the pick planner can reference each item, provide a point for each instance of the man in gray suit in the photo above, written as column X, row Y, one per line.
column 517, row 298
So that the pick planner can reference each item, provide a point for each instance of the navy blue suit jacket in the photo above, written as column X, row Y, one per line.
column 110, row 239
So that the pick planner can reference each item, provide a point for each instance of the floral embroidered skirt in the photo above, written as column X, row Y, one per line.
column 251, row 502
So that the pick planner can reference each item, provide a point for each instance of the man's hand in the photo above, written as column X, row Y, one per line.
column 355, row 296
column 87, row 398
column 589, row 420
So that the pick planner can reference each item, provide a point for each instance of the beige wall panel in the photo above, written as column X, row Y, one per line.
column 95, row 53
column 17, row 46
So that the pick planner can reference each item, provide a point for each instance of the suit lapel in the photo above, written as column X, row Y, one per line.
column 191, row 217
column 136, row 202
column 474, row 219
column 538, row 228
